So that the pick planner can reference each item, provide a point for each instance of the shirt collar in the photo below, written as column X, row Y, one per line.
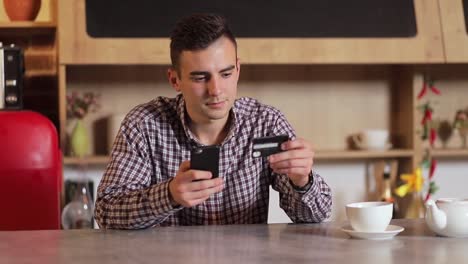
column 183, row 115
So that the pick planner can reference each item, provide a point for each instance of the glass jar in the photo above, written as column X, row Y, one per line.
column 78, row 213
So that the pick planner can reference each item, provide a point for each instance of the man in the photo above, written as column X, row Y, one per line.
column 148, row 181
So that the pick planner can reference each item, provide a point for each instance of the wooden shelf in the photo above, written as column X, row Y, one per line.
column 27, row 25
column 37, row 73
column 362, row 154
column 26, row 29
column 91, row 160
column 450, row 153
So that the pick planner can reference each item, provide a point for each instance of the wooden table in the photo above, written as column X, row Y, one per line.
column 276, row 243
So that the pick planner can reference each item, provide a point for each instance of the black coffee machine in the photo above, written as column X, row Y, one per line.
column 11, row 77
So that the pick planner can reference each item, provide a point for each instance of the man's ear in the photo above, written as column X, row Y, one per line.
column 173, row 78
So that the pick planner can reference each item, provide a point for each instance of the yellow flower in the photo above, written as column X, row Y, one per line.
column 414, row 183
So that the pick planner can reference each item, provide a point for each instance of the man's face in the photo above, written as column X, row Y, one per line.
column 208, row 81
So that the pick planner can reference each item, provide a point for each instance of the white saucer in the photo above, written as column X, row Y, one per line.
column 390, row 232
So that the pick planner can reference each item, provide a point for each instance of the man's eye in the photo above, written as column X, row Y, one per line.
column 199, row 79
column 226, row 74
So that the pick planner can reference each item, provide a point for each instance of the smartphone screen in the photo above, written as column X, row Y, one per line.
column 205, row 158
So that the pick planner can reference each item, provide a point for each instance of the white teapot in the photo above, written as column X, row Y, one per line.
column 448, row 217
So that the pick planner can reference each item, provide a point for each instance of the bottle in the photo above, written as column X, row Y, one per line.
column 78, row 213
column 387, row 193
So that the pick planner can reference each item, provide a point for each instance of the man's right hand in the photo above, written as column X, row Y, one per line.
column 187, row 192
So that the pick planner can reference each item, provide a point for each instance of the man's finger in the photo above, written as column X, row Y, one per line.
column 202, row 193
column 297, row 143
column 291, row 154
column 291, row 163
column 184, row 166
column 204, row 184
column 199, row 175
column 192, row 175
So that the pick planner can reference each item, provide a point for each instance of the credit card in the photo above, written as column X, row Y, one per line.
column 266, row 146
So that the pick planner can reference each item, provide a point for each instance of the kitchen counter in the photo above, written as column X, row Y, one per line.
column 275, row 243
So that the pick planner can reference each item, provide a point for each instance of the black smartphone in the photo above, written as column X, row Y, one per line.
column 205, row 158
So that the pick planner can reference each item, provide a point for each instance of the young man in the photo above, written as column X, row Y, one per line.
column 148, row 181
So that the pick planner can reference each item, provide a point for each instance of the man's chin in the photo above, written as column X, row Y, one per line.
column 217, row 117
column 216, row 114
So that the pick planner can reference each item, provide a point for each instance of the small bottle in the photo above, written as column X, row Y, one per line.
column 387, row 194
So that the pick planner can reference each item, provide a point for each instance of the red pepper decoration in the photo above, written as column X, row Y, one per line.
column 428, row 83
column 432, row 189
column 427, row 114
column 432, row 136
column 432, row 168
column 423, row 91
column 435, row 90
column 425, row 132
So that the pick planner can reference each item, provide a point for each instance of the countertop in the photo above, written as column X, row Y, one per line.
column 274, row 243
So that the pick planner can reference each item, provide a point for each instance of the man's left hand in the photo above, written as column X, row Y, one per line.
column 295, row 161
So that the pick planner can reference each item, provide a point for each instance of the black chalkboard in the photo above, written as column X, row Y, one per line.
column 256, row 18
column 465, row 14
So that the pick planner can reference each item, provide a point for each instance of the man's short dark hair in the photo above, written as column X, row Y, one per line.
column 197, row 32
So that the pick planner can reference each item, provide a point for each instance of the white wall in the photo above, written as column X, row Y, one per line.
column 348, row 183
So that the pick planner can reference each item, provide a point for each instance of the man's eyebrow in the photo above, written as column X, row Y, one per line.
column 195, row 73
column 227, row 68
column 199, row 73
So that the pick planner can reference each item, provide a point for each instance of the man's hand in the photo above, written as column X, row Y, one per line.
column 295, row 161
column 187, row 192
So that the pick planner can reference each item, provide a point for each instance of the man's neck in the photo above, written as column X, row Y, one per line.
column 211, row 133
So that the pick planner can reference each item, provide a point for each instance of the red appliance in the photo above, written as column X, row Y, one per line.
column 30, row 172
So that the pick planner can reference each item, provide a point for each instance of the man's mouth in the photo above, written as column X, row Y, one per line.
column 216, row 104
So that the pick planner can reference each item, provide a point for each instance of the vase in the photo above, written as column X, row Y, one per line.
column 22, row 10
column 78, row 213
column 463, row 133
column 79, row 139
column 416, row 208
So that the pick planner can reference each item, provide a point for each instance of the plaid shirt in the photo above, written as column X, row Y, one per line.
column 152, row 142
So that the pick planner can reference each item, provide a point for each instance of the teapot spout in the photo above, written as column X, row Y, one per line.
column 436, row 219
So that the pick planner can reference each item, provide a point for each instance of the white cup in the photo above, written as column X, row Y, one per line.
column 372, row 139
column 369, row 216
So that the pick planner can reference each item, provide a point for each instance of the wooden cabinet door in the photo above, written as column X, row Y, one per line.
column 454, row 29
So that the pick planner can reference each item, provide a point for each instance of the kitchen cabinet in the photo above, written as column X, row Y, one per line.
column 454, row 29
column 39, row 40
column 78, row 48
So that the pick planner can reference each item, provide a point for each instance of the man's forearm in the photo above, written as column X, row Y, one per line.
column 117, row 208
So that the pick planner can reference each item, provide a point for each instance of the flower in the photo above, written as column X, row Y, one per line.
column 414, row 183
column 79, row 105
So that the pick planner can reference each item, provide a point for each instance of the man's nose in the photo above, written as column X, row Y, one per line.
column 214, row 86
